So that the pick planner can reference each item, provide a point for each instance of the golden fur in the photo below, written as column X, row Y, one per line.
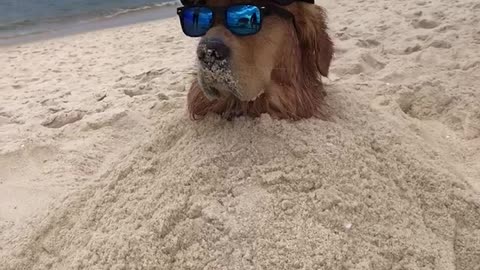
column 278, row 69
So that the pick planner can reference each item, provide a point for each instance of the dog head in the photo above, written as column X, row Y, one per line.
column 276, row 70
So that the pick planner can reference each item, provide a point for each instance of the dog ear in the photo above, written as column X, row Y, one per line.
column 316, row 45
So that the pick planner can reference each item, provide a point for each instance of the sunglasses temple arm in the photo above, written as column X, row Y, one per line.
column 280, row 12
column 285, row 14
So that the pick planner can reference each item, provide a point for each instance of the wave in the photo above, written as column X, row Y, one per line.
column 128, row 10
column 15, row 24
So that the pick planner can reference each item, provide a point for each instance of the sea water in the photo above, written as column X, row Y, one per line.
column 27, row 17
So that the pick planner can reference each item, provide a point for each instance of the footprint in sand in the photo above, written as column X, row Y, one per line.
column 471, row 125
column 4, row 120
column 371, row 62
column 394, row 77
column 367, row 63
column 428, row 101
column 441, row 44
column 425, row 24
column 367, row 43
column 59, row 120
column 150, row 75
column 103, row 119
column 447, row 28
column 162, row 96
column 134, row 92
column 352, row 69
column 470, row 64
column 422, row 37
column 342, row 35
column 20, row 197
column 413, row 49
column 418, row 13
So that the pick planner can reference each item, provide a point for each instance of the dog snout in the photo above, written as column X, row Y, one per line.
column 212, row 49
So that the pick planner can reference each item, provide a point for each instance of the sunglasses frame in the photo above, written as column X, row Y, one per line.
column 265, row 10
column 278, row 2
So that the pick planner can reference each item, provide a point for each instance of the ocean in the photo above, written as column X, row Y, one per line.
column 32, row 17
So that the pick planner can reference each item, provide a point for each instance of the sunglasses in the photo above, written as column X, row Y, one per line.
column 240, row 19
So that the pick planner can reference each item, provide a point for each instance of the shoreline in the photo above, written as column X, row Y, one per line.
column 72, row 28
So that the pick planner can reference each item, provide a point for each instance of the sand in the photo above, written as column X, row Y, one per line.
column 101, row 167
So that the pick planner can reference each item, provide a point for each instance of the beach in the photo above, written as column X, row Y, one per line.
column 101, row 167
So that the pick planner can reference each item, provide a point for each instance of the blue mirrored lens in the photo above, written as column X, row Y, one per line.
column 196, row 20
column 243, row 19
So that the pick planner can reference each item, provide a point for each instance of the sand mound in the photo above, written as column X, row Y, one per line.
column 391, row 182
column 362, row 192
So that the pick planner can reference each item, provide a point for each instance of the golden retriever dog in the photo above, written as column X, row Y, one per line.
column 276, row 71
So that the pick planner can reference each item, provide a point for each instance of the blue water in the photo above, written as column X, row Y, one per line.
column 27, row 16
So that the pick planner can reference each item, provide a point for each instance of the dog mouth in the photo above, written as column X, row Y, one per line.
column 217, row 80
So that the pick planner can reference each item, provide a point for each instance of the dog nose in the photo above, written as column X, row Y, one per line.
column 212, row 49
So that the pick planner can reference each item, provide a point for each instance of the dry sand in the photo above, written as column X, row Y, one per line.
column 102, row 169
